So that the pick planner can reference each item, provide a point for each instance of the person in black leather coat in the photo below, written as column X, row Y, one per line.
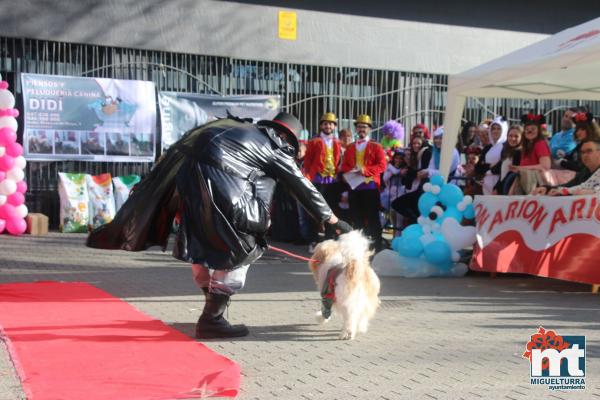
column 220, row 178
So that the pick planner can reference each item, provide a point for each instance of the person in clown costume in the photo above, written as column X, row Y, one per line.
column 321, row 163
column 393, row 132
column 367, row 158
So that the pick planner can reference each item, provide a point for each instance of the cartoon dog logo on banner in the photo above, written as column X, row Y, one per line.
column 431, row 247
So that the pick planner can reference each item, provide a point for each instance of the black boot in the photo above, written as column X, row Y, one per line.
column 212, row 324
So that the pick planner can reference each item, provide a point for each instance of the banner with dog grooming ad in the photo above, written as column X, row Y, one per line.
column 555, row 237
column 96, row 119
column 180, row 112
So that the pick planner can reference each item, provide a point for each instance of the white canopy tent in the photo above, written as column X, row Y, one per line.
column 563, row 66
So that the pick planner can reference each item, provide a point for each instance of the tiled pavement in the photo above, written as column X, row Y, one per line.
column 432, row 339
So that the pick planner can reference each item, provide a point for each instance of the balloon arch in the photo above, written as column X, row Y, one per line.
column 12, row 165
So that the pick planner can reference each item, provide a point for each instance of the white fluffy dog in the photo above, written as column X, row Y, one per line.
column 346, row 282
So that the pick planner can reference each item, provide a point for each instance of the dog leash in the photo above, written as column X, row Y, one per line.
column 287, row 253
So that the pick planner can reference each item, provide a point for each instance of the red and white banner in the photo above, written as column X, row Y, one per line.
column 557, row 237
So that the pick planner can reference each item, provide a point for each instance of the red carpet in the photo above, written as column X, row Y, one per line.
column 75, row 341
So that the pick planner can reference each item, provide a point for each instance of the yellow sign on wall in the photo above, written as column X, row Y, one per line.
column 287, row 25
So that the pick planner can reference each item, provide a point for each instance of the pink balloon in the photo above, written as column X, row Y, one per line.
column 16, row 226
column 7, row 136
column 2, row 225
column 16, row 199
column 2, row 175
column 6, row 163
column 8, row 212
column 14, row 149
column 21, row 186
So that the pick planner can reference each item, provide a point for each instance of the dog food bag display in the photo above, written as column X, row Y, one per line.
column 123, row 185
column 74, row 199
column 102, row 201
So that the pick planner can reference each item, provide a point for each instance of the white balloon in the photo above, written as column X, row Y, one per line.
column 22, row 210
column 10, row 122
column 458, row 236
column 2, row 199
column 20, row 162
column 427, row 187
column 16, row 174
column 2, row 151
column 7, row 100
column 437, row 210
column 8, row 187
column 435, row 189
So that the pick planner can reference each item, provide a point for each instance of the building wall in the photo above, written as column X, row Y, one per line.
column 250, row 31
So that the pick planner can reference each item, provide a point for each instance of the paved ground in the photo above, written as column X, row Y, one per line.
column 432, row 339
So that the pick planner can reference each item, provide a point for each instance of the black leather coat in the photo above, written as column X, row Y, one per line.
column 221, row 176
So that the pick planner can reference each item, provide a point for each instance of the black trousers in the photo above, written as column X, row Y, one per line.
column 331, row 192
column 364, row 207
column 407, row 205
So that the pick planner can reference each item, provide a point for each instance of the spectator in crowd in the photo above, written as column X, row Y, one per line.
column 301, row 153
column 420, row 130
column 534, row 166
column 585, row 129
column 418, row 158
column 366, row 160
column 321, row 162
column 393, row 180
column 511, row 155
column 434, row 163
column 407, row 204
column 488, row 165
column 586, row 181
column 563, row 143
column 482, row 141
column 471, row 185
column 483, row 138
column 345, row 139
column 467, row 136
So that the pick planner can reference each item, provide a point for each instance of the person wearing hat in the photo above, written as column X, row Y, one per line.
column 366, row 158
column 221, row 178
column 535, row 163
column 321, row 162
